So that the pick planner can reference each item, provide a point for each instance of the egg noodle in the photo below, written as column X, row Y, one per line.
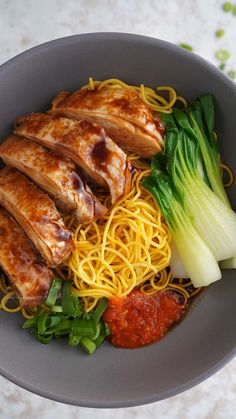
column 129, row 246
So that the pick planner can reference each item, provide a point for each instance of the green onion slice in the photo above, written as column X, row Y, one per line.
column 88, row 345
column 222, row 54
column 186, row 46
column 99, row 310
column 52, row 295
column 227, row 6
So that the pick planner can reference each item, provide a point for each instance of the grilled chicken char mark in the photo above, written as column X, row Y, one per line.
column 86, row 144
column 36, row 213
column 121, row 112
column 55, row 174
column 23, row 265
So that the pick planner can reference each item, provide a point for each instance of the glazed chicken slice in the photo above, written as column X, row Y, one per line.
column 37, row 215
column 121, row 112
column 55, row 174
column 86, row 144
column 23, row 265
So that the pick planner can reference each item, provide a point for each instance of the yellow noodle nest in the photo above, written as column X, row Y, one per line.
column 127, row 247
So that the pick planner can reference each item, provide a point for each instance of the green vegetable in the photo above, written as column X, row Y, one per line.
column 210, row 211
column 43, row 339
column 222, row 54
column 222, row 66
column 74, row 340
column 88, row 345
column 227, row 6
column 231, row 74
column 186, row 46
column 186, row 182
column 234, row 10
column 201, row 118
column 201, row 115
column 57, row 309
column 219, row 33
column 176, row 264
column 66, row 320
column 198, row 260
column 70, row 303
column 83, row 327
column 101, row 307
column 52, row 295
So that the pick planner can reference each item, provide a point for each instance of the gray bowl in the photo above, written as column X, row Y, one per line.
column 206, row 338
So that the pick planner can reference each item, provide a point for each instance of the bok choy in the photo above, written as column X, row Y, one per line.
column 200, row 124
column 201, row 115
column 214, row 221
column 198, row 260
column 187, row 184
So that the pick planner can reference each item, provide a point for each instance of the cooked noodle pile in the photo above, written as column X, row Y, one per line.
column 121, row 251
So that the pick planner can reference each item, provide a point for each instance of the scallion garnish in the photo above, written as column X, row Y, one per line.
column 70, row 303
column 219, row 33
column 222, row 54
column 64, row 319
column 43, row 339
column 222, row 66
column 52, row 295
column 186, row 46
column 227, row 6
column 88, row 345
column 57, row 309
column 231, row 74
column 99, row 310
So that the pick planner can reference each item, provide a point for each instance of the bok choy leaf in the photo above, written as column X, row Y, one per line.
column 197, row 258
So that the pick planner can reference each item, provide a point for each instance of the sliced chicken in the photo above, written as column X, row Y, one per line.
column 55, row 174
column 86, row 144
column 23, row 265
column 120, row 111
column 37, row 215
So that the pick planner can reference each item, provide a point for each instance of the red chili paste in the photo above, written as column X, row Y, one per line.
column 140, row 319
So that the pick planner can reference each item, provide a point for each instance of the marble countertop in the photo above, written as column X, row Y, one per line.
column 26, row 23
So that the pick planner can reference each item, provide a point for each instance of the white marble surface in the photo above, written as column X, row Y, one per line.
column 25, row 23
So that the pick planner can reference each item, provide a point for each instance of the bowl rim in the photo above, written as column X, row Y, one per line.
column 121, row 36
column 178, row 389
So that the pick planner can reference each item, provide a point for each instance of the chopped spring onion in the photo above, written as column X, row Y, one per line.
column 222, row 54
column 88, row 345
column 231, row 74
column 52, row 295
column 99, row 310
column 227, row 6
column 70, row 303
column 65, row 320
column 57, row 309
column 74, row 340
column 222, row 66
column 43, row 339
column 83, row 327
column 186, row 46
column 219, row 33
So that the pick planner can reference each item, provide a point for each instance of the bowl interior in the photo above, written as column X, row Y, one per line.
column 206, row 338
